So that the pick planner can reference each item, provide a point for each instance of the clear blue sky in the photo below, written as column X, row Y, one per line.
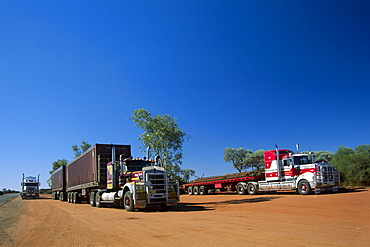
column 246, row 74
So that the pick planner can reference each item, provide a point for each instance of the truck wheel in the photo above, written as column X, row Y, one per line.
column 92, row 199
column 203, row 190
column 190, row 190
column 128, row 202
column 304, row 187
column 196, row 190
column 61, row 196
column 69, row 197
column 75, row 198
column 251, row 189
column 240, row 189
column 97, row 200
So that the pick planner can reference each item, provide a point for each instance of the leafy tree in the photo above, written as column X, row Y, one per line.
column 363, row 148
column 236, row 157
column 80, row 150
column 323, row 155
column 254, row 160
column 163, row 135
column 354, row 165
column 186, row 174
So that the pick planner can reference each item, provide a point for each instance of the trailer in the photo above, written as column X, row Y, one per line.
column 107, row 174
column 225, row 183
column 30, row 187
column 284, row 170
column 58, row 184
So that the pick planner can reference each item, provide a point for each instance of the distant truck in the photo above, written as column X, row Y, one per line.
column 284, row 170
column 30, row 187
column 107, row 174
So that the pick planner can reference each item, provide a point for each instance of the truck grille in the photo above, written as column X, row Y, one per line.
column 327, row 175
column 158, row 183
column 158, row 190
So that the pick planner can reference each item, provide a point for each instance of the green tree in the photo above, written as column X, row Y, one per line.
column 186, row 174
column 163, row 135
column 78, row 150
column 55, row 166
column 254, row 160
column 363, row 148
column 354, row 165
column 236, row 157
column 323, row 155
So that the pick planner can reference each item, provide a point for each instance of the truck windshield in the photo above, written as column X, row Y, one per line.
column 300, row 160
column 137, row 165
column 31, row 184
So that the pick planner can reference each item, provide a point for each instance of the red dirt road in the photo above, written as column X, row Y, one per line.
column 280, row 219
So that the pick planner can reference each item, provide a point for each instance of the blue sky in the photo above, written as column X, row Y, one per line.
column 246, row 74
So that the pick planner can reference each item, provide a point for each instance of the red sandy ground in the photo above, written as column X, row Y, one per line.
column 279, row 219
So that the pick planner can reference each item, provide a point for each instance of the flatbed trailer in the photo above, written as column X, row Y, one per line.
column 224, row 183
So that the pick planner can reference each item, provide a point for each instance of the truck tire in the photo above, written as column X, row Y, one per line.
column 75, row 197
column 128, row 201
column 241, row 189
column 251, row 189
column 190, row 190
column 97, row 200
column 61, row 196
column 69, row 197
column 196, row 190
column 203, row 190
column 304, row 187
column 92, row 199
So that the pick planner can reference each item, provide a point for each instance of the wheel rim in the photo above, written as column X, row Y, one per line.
column 127, row 201
column 97, row 199
column 303, row 187
column 240, row 189
column 190, row 190
column 92, row 195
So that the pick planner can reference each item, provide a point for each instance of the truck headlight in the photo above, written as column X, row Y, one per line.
column 140, row 188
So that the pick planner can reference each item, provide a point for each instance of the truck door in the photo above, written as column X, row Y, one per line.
column 288, row 172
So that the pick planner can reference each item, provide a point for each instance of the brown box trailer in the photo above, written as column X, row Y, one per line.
column 90, row 169
column 58, row 179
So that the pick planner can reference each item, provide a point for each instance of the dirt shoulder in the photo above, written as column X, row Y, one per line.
column 278, row 219
column 10, row 213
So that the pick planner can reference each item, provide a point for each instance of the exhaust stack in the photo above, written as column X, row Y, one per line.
column 147, row 153
column 114, row 172
column 278, row 162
